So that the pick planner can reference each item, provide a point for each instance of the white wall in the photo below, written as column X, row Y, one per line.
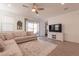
column 17, row 17
column 42, row 28
column 13, row 16
column 70, row 23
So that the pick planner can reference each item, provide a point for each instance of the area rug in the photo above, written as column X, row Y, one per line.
column 37, row 48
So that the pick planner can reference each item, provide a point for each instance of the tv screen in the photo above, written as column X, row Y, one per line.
column 55, row 28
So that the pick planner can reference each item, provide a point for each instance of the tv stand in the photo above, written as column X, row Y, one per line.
column 55, row 35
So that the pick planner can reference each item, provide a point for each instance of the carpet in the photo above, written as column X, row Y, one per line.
column 37, row 48
column 66, row 49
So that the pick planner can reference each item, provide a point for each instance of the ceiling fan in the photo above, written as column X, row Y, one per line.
column 35, row 8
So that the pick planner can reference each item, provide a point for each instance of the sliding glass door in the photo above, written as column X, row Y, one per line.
column 30, row 26
column 36, row 27
column 33, row 26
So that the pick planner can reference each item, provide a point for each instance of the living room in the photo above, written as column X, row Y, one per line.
column 39, row 29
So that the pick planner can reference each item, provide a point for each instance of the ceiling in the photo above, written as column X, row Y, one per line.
column 51, row 9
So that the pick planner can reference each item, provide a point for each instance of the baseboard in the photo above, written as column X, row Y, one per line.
column 70, row 41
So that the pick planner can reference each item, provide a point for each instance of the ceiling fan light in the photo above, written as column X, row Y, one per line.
column 33, row 10
column 9, row 5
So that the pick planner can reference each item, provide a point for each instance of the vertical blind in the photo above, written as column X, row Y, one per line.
column 6, row 23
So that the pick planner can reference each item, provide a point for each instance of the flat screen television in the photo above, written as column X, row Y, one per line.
column 55, row 28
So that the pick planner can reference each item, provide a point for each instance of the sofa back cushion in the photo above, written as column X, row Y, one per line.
column 20, row 33
column 2, row 45
column 30, row 33
column 9, row 35
column 2, row 36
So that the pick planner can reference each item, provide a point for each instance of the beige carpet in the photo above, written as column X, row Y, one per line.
column 66, row 49
column 37, row 48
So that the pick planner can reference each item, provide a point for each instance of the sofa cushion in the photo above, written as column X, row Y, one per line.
column 24, row 39
column 9, row 35
column 20, row 34
column 30, row 33
column 2, row 36
column 2, row 45
column 11, row 49
column 31, row 36
column 23, row 33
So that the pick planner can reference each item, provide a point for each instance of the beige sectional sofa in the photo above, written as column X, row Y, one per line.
column 19, row 37
column 9, row 40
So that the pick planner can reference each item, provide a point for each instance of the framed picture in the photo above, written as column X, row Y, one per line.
column 19, row 25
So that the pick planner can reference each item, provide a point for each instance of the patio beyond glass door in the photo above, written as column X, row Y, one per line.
column 30, row 26
column 33, row 26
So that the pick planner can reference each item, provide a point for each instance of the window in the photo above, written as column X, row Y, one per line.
column 33, row 26
column 7, row 24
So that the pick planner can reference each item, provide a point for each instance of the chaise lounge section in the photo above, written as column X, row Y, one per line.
column 9, row 48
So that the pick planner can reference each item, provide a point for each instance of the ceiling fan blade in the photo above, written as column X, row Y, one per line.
column 36, row 12
column 40, row 8
column 34, row 3
column 25, row 6
column 66, row 8
column 34, row 6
